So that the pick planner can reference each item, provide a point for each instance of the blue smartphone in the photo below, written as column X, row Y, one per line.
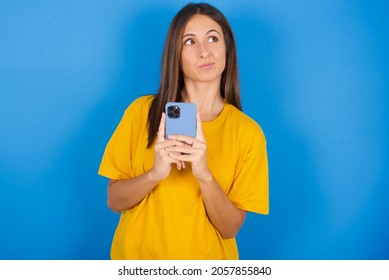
column 180, row 118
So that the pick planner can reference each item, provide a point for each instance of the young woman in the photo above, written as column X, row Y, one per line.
column 182, row 197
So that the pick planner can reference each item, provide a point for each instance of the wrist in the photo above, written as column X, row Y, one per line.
column 206, row 178
column 152, row 177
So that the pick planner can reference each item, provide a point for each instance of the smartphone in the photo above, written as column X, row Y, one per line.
column 180, row 118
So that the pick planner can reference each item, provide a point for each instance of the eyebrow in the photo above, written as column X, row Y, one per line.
column 209, row 31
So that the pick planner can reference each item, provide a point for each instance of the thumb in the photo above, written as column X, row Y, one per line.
column 161, row 129
column 199, row 129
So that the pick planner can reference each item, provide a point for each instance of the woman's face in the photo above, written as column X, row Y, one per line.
column 203, row 56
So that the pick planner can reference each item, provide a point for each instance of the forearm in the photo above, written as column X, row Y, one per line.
column 125, row 194
column 223, row 214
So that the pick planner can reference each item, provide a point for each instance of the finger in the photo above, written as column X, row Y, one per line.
column 199, row 129
column 183, row 138
column 182, row 157
column 169, row 158
column 180, row 149
column 167, row 144
column 180, row 165
column 161, row 129
column 172, row 160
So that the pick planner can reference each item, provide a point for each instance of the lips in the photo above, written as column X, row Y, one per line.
column 207, row 65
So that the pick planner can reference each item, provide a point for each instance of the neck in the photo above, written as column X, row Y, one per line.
column 207, row 98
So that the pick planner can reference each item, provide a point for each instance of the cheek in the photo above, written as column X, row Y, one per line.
column 223, row 59
column 186, row 60
column 220, row 54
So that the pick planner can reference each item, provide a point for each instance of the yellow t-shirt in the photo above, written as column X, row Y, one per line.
column 171, row 221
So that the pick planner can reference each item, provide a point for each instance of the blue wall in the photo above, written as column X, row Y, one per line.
column 314, row 74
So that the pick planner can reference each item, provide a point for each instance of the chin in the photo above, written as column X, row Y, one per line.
column 206, row 78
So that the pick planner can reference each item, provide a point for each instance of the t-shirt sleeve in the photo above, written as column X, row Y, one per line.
column 116, row 162
column 250, row 190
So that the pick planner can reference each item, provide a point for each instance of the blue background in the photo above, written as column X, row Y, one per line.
column 314, row 75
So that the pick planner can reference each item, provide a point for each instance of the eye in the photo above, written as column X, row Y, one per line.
column 189, row 42
column 213, row 39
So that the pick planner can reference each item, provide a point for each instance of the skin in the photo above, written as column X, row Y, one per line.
column 203, row 60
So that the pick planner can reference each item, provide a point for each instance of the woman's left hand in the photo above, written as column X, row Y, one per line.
column 195, row 152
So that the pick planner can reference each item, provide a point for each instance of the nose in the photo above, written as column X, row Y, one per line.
column 203, row 51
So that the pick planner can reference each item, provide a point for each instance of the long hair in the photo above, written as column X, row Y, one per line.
column 172, row 81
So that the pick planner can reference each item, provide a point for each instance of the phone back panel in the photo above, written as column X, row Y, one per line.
column 183, row 122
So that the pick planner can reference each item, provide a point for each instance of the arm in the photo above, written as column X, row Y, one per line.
column 125, row 194
column 223, row 214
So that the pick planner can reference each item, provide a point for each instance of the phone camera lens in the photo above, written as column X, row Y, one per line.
column 173, row 112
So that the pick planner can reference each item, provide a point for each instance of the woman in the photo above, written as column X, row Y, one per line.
column 182, row 197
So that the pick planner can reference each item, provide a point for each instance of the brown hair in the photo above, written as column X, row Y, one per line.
column 172, row 81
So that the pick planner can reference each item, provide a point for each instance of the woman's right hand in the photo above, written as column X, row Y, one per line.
column 162, row 160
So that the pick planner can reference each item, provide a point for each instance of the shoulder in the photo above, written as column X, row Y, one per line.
column 245, row 125
column 140, row 105
column 141, row 102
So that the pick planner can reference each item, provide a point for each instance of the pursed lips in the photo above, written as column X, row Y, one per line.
column 206, row 65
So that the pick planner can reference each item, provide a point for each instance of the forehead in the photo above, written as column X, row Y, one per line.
column 199, row 24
